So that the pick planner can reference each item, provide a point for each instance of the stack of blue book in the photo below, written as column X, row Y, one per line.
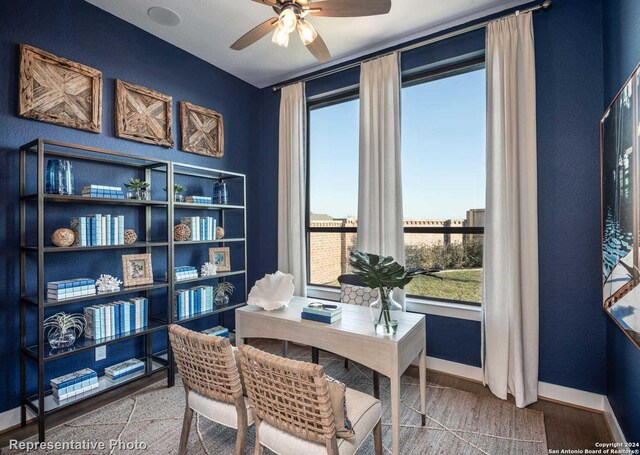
column 73, row 384
column 199, row 199
column 98, row 230
column 123, row 369
column 70, row 289
column 114, row 192
column 190, row 302
column 217, row 331
column 116, row 318
column 327, row 313
column 202, row 227
column 185, row 272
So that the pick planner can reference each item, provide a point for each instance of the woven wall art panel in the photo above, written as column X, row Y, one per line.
column 202, row 130
column 143, row 115
column 56, row 90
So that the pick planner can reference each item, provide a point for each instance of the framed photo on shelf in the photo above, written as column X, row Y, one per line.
column 136, row 269
column 220, row 257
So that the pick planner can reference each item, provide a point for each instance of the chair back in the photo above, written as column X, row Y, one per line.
column 290, row 395
column 354, row 291
column 206, row 364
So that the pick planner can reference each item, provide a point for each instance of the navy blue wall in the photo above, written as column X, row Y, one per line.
column 621, row 56
column 569, row 79
column 84, row 33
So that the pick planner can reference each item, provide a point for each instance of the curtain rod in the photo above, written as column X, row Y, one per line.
column 545, row 5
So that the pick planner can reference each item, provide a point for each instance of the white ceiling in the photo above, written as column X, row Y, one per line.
column 209, row 27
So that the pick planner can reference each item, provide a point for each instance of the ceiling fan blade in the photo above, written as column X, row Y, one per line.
column 267, row 2
column 349, row 8
column 319, row 49
column 255, row 34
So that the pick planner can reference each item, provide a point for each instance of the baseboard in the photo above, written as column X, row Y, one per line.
column 612, row 422
column 11, row 419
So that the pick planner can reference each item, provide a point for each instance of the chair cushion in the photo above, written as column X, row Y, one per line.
column 218, row 411
column 337, row 391
column 357, row 295
column 364, row 411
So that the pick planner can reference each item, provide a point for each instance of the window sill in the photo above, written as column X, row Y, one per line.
column 414, row 305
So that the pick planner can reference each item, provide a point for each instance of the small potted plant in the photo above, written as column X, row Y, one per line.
column 64, row 329
column 385, row 274
column 222, row 292
column 138, row 189
column 177, row 192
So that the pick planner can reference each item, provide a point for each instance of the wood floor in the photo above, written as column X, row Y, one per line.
column 567, row 427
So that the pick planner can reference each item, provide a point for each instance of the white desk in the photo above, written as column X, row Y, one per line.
column 352, row 337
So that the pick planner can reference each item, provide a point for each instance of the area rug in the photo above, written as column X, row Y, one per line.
column 458, row 422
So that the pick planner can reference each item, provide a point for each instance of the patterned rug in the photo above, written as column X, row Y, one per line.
column 458, row 422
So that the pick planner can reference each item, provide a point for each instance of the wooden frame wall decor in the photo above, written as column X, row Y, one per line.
column 57, row 90
column 143, row 115
column 221, row 258
column 620, row 217
column 202, row 130
column 136, row 269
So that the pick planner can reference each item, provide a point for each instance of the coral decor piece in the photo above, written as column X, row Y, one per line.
column 108, row 283
column 63, row 237
column 273, row 291
column 130, row 236
column 182, row 232
column 208, row 269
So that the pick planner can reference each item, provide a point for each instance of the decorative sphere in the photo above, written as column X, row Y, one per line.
column 219, row 232
column 130, row 236
column 181, row 232
column 63, row 237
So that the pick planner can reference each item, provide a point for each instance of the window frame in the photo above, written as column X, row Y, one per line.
column 409, row 78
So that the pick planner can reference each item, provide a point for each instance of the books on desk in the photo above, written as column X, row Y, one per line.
column 326, row 314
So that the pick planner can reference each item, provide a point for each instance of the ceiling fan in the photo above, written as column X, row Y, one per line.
column 292, row 14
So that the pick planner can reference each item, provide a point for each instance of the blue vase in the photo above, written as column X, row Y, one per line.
column 59, row 177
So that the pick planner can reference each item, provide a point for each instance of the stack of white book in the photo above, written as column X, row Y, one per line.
column 125, row 368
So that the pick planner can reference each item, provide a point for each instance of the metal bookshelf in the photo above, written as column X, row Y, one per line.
column 34, row 206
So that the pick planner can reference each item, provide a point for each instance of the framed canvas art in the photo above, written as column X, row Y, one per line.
column 136, row 269
column 620, row 165
column 202, row 130
column 220, row 257
column 57, row 90
column 143, row 115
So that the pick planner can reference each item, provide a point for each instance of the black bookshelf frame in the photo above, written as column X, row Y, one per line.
column 40, row 403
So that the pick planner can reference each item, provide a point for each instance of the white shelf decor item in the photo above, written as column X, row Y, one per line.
column 272, row 292
column 108, row 283
column 208, row 269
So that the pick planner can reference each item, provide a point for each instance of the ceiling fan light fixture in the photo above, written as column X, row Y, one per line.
column 287, row 20
column 280, row 37
column 307, row 32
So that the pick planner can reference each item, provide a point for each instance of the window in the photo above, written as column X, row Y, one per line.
column 443, row 178
column 443, row 159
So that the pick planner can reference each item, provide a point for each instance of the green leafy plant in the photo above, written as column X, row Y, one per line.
column 137, row 184
column 63, row 329
column 177, row 188
column 223, row 288
column 385, row 274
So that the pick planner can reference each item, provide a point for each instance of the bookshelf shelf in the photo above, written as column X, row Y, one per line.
column 196, row 242
column 86, row 343
column 74, row 249
column 51, row 403
column 107, row 295
column 35, row 206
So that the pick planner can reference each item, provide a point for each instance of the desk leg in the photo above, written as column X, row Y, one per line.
column 376, row 385
column 285, row 349
column 315, row 355
column 395, row 413
column 239, row 340
column 423, row 386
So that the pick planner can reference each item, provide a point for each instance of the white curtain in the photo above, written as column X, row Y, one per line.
column 380, row 218
column 510, row 301
column 291, row 186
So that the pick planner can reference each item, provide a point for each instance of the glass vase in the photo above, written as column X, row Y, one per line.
column 61, row 340
column 385, row 313
column 221, row 299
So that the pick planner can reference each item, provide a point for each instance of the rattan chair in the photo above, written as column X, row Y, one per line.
column 211, row 381
column 292, row 408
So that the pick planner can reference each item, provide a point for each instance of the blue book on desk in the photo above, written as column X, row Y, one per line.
column 320, row 318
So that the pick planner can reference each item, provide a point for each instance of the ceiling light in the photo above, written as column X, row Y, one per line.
column 287, row 20
column 280, row 37
column 307, row 32
column 164, row 16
